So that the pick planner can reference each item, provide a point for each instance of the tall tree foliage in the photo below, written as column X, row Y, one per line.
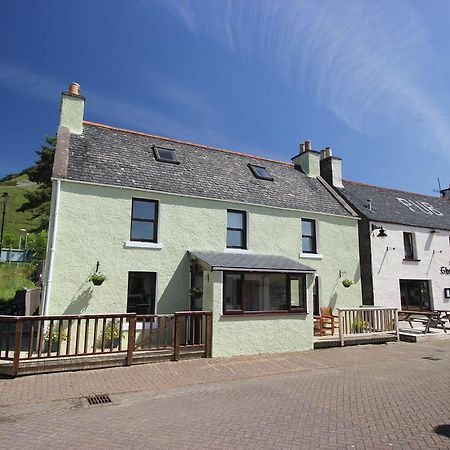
column 38, row 201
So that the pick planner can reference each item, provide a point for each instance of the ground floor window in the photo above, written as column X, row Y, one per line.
column 256, row 292
column 415, row 294
column 141, row 292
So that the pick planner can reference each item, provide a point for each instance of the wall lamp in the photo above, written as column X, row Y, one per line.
column 433, row 231
column 381, row 233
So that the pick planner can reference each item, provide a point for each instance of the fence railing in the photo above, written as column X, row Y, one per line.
column 367, row 321
column 40, row 337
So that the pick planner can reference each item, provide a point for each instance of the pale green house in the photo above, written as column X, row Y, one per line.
column 265, row 242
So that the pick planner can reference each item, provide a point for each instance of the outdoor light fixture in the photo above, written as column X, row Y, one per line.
column 381, row 233
column 5, row 198
column 433, row 231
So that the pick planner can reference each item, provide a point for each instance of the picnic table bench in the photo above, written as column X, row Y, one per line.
column 428, row 318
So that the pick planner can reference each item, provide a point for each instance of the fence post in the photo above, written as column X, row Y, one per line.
column 17, row 348
column 397, row 330
column 208, row 337
column 341, row 327
column 176, row 338
column 131, row 340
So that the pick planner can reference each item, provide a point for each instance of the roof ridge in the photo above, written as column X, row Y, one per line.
column 391, row 189
column 140, row 133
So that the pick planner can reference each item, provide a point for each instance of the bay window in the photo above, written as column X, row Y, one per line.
column 259, row 292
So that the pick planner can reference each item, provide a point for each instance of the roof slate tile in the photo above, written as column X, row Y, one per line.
column 120, row 158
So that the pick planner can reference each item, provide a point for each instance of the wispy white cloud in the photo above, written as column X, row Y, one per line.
column 184, row 113
column 367, row 62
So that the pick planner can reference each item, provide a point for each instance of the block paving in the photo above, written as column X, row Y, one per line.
column 390, row 396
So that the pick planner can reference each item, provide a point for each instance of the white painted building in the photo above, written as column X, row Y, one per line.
column 404, row 241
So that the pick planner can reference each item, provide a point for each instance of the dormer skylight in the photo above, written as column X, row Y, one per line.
column 165, row 154
column 260, row 172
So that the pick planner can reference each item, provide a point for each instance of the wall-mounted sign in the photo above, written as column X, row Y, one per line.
column 446, row 292
column 445, row 270
column 416, row 206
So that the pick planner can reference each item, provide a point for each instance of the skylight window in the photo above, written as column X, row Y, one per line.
column 165, row 154
column 260, row 172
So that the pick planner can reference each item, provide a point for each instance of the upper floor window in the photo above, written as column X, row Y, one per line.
column 144, row 220
column 260, row 172
column 141, row 292
column 236, row 229
column 165, row 154
column 408, row 243
column 309, row 237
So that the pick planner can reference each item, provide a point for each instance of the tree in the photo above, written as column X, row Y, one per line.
column 39, row 200
column 37, row 245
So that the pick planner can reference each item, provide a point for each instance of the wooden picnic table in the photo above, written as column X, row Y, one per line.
column 426, row 317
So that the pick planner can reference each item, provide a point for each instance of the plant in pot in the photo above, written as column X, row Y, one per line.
column 112, row 334
column 360, row 326
column 194, row 294
column 97, row 278
column 347, row 283
column 54, row 338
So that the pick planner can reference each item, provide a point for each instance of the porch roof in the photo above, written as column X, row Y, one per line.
column 217, row 261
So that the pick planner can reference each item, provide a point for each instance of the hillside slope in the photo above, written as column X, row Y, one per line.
column 15, row 221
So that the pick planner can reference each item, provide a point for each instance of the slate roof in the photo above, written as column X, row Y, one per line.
column 228, row 261
column 117, row 157
column 413, row 209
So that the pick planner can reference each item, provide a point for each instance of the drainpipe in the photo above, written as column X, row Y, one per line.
column 51, row 251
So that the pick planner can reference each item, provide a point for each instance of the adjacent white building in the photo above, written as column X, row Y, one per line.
column 404, row 241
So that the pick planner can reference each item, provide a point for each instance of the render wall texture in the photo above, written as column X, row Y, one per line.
column 389, row 266
column 94, row 224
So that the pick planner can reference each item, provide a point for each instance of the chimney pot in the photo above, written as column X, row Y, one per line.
column 307, row 146
column 74, row 88
column 302, row 148
column 327, row 152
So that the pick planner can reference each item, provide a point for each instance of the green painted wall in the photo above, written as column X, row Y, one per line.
column 94, row 223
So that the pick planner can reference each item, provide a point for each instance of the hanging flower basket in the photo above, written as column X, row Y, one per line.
column 97, row 278
column 347, row 283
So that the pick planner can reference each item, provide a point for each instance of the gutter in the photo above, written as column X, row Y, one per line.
column 51, row 250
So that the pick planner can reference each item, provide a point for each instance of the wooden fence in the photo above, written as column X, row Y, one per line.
column 367, row 321
column 40, row 338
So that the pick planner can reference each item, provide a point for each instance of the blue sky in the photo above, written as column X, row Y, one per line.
column 370, row 79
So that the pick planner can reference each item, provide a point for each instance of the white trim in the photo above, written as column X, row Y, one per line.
column 139, row 244
column 238, row 250
column 205, row 198
column 52, row 247
column 311, row 255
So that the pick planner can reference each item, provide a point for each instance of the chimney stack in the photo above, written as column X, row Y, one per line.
column 331, row 168
column 307, row 160
column 446, row 193
column 72, row 109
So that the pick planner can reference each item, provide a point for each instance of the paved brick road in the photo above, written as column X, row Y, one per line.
column 390, row 396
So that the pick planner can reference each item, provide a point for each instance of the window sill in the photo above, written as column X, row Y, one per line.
column 237, row 250
column 265, row 313
column 411, row 260
column 311, row 255
column 137, row 244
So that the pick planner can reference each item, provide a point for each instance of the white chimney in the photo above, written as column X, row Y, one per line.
column 72, row 109
column 308, row 160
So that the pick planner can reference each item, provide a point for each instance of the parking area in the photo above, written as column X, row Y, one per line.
column 386, row 396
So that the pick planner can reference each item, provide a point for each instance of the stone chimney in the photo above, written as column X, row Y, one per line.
column 307, row 160
column 446, row 193
column 331, row 168
column 72, row 109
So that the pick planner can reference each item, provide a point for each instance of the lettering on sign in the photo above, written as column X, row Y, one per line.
column 416, row 206
column 445, row 270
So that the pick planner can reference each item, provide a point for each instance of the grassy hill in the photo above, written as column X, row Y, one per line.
column 14, row 221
